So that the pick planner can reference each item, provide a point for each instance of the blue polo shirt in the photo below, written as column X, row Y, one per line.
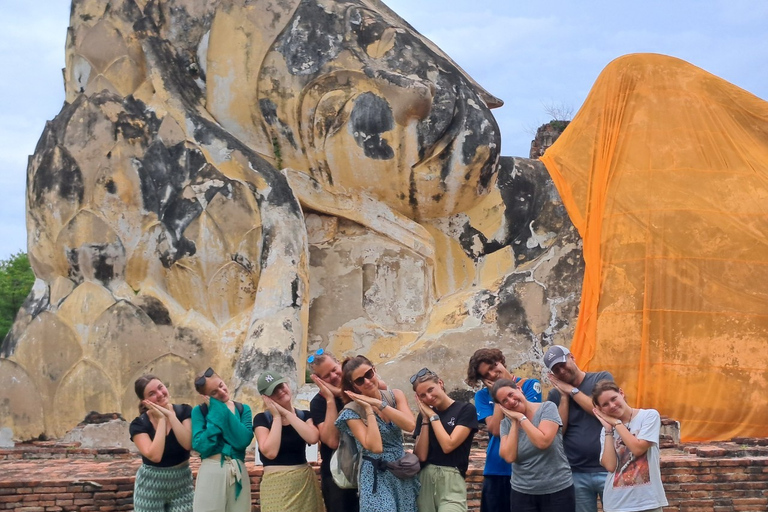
column 494, row 464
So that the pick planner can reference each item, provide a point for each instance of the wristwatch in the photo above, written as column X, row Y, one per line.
column 522, row 419
column 618, row 422
column 575, row 391
column 434, row 417
column 383, row 405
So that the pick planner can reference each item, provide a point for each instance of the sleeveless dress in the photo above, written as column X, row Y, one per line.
column 392, row 494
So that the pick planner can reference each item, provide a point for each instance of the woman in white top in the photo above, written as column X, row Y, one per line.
column 630, row 451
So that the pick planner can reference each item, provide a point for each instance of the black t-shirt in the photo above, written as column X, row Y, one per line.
column 293, row 448
column 458, row 413
column 317, row 409
column 581, row 439
column 174, row 453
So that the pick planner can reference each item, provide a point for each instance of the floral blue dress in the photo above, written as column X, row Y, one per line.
column 392, row 494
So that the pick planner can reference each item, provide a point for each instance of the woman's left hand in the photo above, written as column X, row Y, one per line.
column 159, row 411
column 171, row 411
column 373, row 402
column 512, row 415
column 426, row 411
column 603, row 419
column 271, row 406
column 285, row 413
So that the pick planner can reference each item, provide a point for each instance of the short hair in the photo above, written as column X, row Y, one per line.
column 489, row 356
column 601, row 387
column 502, row 383
column 318, row 360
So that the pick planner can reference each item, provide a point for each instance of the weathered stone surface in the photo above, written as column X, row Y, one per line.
column 546, row 135
column 231, row 183
column 506, row 274
column 6, row 438
column 112, row 434
column 147, row 223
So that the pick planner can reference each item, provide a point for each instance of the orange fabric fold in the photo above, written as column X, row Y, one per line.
column 664, row 172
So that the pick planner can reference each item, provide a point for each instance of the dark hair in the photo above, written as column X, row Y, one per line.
column 502, row 383
column 489, row 356
column 349, row 365
column 601, row 387
column 141, row 383
column 139, row 386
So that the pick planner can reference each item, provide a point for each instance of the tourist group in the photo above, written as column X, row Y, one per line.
column 582, row 444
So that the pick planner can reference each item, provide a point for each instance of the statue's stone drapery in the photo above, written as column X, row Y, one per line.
column 231, row 183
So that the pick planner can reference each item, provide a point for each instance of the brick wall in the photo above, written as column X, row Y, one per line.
column 722, row 478
column 729, row 477
column 35, row 496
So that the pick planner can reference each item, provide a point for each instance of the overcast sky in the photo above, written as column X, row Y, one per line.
column 529, row 53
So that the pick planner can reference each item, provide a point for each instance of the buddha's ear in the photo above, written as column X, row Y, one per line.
column 241, row 36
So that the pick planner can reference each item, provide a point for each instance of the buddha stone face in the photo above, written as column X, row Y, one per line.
column 352, row 95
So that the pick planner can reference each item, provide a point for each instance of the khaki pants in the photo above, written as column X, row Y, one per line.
column 443, row 489
column 215, row 487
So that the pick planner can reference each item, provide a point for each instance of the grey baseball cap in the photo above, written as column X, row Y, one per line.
column 556, row 354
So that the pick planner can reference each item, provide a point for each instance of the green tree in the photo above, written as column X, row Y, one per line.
column 16, row 280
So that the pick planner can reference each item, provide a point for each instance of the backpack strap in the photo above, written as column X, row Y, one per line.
column 357, row 409
column 389, row 396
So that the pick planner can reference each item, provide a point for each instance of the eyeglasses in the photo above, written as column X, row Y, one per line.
column 361, row 380
column 200, row 381
column 424, row 371
column 311, row 358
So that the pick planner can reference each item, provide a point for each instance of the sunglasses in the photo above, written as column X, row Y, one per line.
column 424, row 371
column 366, row 376
column 200, row 381
column 311, row 358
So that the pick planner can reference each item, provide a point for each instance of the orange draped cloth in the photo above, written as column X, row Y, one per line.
column 664, row 172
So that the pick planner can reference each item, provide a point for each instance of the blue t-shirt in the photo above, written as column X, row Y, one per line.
column 494, row 464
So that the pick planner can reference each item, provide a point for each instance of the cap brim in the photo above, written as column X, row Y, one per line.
column 557, row 361
column 272, row 385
